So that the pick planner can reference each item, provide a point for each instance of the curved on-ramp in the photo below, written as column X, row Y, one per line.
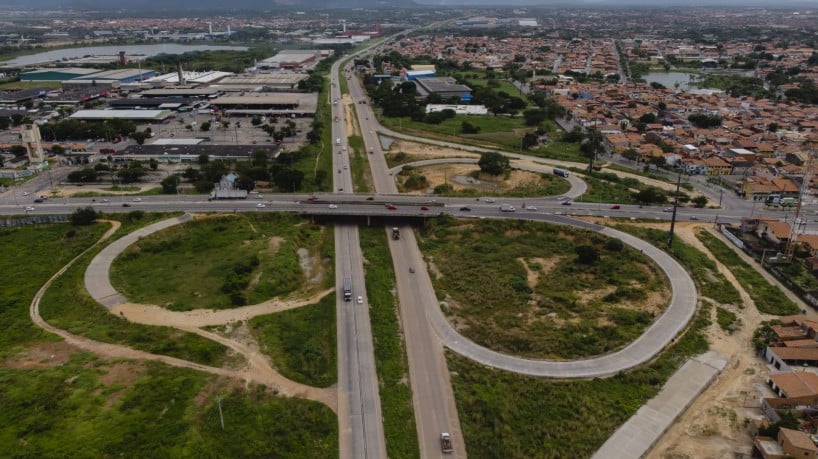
column 663, row 331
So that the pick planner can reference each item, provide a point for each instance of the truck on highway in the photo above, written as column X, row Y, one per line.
column 446, row 442
column 561, row 172
column 507, row 208
column 395, row 233
column 347, row 288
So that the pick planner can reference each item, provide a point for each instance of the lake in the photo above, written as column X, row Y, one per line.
column 669, row 79
column 136, row 50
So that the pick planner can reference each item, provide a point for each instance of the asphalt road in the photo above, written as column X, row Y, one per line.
column 360, row 420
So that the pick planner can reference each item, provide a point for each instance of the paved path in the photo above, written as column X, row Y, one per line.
column 675, row 318
column 635, row 437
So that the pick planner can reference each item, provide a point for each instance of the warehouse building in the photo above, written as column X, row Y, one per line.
column 445, row 87
column 294, row 59
column 110, row 78
column 131, row 115
column 56, row 74
column 279, row 81
column 295, row 104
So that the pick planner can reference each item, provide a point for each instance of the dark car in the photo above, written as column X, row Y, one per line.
column 39, row 200
column 616, row 207
column 370, row 198
column 566, row 203
column 465, row 209
column 424, row 208
column 125, row 204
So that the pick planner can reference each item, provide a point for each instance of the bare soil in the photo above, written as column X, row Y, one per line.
column 42, row 355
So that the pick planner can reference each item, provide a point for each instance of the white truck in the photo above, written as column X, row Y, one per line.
column 507, row 208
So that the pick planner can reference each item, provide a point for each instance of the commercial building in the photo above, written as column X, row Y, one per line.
column 295, row 104
column 132, row 115
column 278, row 81
column 110, row 78
column 56, row 74
column 294, row 59
column 445, row 87
column 189, row 77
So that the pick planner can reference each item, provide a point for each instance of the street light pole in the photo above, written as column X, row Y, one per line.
column 675, row 205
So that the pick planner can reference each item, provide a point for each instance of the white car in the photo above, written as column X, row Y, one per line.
column 261, row 205
column 137, row 199
column 103, row 200
column 531, row 208
column 490, row 200
column 360, row 299
column 26, row 193
column 29, row 209
column 333, row 206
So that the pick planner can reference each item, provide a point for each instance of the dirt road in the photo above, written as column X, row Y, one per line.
column 259, row 369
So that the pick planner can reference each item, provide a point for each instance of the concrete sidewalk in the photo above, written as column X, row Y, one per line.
column 635, row 437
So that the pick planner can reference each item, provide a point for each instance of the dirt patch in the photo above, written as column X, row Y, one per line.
column 459, row 176
column 545, row 266
column 349, row 116
column 423, row 151
column 124, row 373
column 274, row 243
column 42, row 355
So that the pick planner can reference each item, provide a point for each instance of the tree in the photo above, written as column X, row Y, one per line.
column 530, row 140
column 131, row 174
column 287, row 179
column 57, row 149
column 650, row 195
column 18, row 150
column 493, row 163
column 592, row 146
column 586, row 254
column 699, row 201
column 83, row 175
column 170, row 184
column 575, row 135
column 204, row 127
column 153, row 164
column 534, row 117
column 468, row 128
column 204, row 158
column 139, row 137
column 83, row 216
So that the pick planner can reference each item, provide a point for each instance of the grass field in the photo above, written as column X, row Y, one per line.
column 604, row 191
column 30, row 256
column 67, row 305
column 236, row 259
column 768, row 298
column 301, row 342
column 517, row 287
column 88, row 408
column 390, row 351
column 60, row 402
column 710, row 282
column 513, row 416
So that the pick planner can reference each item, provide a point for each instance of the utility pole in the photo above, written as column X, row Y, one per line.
column 219, row 401
column 675, row 204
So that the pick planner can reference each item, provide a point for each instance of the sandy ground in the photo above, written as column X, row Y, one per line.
column 715, row 425
column 257, row 366
column 447, row 173
column 350, row 125
column 423, row 151
column 67, row 191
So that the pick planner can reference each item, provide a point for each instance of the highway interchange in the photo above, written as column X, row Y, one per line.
column 425, row 328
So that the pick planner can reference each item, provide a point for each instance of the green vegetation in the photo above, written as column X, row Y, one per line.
column 151, row 410
column 67, row 305
column 600, row 190
column 30, row 256
column 710, row 282
column 768, row 298
column 20, row 85
column 226, row 60
column 301, row 342
column 492, row 128
column 727, row 320
column 390, row 352
column 236, row 259
column 514, row 416
column 359, row 164
column 520, row 287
